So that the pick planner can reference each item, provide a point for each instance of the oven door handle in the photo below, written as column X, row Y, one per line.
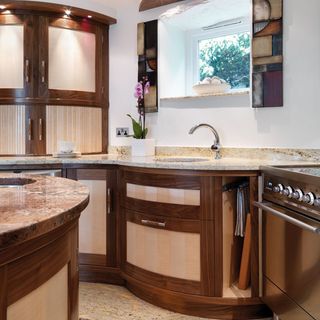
column 267, row 206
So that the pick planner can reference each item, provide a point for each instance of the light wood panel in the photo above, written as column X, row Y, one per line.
column 12, row 130
column 164, row 195
column 169, row 253
column 92, row 225
column 48, row 302
column 11, row 56
column 232, row 245
column 72, row 60
column 78, row 124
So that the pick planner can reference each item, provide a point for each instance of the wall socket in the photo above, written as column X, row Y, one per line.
column 122, row 132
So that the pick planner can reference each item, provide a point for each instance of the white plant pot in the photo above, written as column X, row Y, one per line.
column 142, row 147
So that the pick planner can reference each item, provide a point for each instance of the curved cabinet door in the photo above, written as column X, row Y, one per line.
column 16, row 58
column 70, row 64
column 97, row 224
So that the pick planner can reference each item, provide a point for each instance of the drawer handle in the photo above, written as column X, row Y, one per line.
column 109, row 201
column 153, row 223
column 40, row 129
column 43, row 71
column 27, row 70
column 267, row 207
column 29, row 129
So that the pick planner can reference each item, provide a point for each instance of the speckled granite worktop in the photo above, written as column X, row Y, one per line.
column 37, row 207
column 226, row 163
column 232, row 159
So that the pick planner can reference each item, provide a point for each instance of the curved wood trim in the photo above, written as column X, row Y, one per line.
column 161, row 281
column 147, row 4
column 163, row 209
column 156, row 178
column 209, row 307
column 59, row 9
column 178, row 225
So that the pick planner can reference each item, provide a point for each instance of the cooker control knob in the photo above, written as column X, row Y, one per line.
column 298, row 195
column 288, row 192
column 308, row 198
column 317, row 202
column 278, row 188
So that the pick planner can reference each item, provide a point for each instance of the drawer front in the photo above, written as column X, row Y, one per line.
column 163, row 251
column 166, row 195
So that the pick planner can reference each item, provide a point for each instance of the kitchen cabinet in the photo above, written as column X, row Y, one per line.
column 98, row 224
column 12, row 130
column 178, row 250
column 53, row 60
column 16, row 58
column 72, row 62
column 50, row 59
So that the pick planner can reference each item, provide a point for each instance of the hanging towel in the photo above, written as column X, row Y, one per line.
column 242, row 210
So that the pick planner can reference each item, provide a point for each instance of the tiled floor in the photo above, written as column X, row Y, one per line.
column 106, row 302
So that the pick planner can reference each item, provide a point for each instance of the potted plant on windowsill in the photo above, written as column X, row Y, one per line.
column 140, row 145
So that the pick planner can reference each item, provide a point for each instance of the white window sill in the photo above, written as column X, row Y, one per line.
column 228, row 93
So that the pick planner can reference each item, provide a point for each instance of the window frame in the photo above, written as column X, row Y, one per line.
column 193, row 38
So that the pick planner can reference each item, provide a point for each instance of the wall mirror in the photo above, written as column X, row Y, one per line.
column 221, row 47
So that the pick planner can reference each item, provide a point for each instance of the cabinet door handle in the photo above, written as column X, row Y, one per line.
column 43, row 71
column 27, row 70
column 40, row 129
column 29, row 129
column 153, row 223
column 109, row 201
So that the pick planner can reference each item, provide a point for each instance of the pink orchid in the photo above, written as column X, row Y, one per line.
column 147, row 87
column 138, row 93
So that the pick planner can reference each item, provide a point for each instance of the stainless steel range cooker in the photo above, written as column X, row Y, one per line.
column 291, row 242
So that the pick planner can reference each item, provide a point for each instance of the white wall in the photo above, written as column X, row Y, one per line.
column 296, row 125
column 172, row 61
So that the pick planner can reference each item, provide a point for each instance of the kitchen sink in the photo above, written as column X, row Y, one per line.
column 14, row 182
column 182, row 159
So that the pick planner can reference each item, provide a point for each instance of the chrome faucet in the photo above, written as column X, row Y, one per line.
column 216, row 145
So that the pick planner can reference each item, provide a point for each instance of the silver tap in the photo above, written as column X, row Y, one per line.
column 216, row 145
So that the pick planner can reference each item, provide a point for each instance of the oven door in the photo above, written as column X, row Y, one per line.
column 291, row 263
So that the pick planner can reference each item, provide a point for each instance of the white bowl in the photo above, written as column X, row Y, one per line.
column 207, row 89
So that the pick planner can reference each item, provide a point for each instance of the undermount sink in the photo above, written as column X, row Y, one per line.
column 182, row 159
column 14, row 182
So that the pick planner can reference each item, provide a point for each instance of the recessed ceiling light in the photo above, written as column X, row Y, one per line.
column 89, row 16
column 67, row 12
column 2, row 7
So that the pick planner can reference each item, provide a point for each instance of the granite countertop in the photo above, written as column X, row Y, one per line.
column 240, row 163
column 39, row 206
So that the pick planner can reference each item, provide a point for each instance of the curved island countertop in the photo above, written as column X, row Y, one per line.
column 31, row 206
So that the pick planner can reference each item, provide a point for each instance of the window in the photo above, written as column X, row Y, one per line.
column 222, row 50
column 226, row 57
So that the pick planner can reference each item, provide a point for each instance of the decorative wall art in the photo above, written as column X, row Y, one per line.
column 148, row 61
column 267, row 53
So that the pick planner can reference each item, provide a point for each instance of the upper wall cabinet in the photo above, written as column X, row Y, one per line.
column 53, row 59
column 71, row 56
column 16, row 57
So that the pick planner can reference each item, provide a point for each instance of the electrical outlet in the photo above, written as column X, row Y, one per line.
column 122, row 132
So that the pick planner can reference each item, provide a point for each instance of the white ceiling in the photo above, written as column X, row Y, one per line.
column 195, row 14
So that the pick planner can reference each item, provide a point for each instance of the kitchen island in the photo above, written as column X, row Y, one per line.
column 39, row 246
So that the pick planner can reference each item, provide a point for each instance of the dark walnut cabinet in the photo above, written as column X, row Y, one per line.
column 177, row 243
column 50, row 60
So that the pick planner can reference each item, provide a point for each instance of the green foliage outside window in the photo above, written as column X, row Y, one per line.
column 227, row 58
